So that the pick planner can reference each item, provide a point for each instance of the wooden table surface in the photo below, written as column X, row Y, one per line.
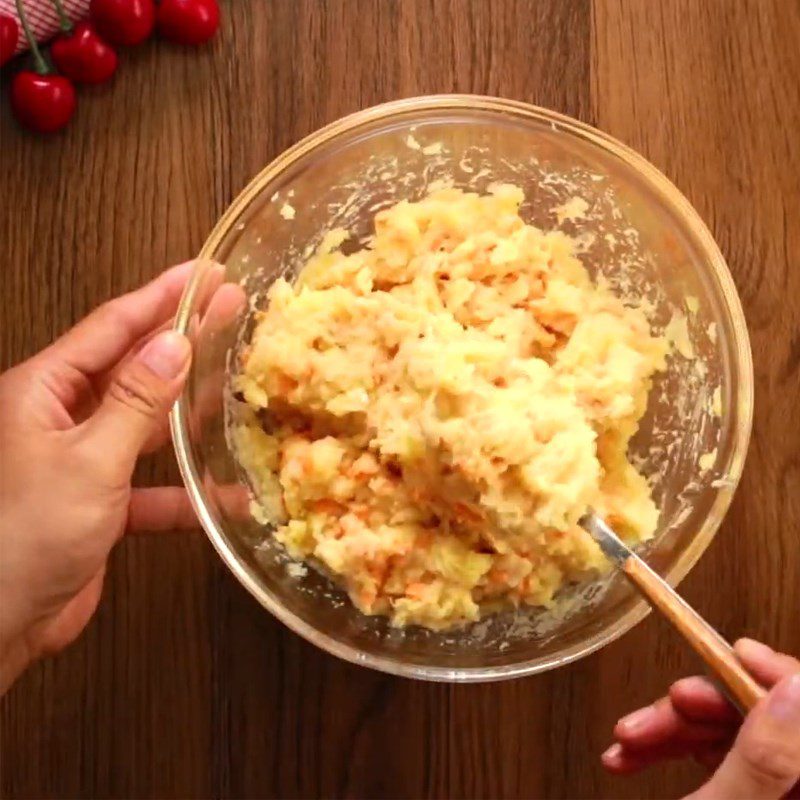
column 182, row 686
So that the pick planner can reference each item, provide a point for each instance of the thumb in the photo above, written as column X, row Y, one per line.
column 139, row 397
column 764, row 762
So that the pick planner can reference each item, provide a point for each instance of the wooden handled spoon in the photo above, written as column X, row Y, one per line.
column 718, row 655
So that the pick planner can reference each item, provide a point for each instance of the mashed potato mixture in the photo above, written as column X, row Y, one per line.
column 428, row 418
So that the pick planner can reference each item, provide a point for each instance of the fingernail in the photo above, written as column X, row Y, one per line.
column 783, row 702
column 638, row 719
column 613, row 752
column 750, row 648
column 166, row 354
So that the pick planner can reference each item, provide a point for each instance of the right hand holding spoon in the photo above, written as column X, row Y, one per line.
column 757, row 758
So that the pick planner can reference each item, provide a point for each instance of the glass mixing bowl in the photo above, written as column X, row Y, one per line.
column 634, row 230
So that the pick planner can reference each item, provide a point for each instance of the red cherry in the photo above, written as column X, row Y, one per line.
column 43, row 103
column 123, row 22
column 187, row 21
column 83, row 56
column 9, row 33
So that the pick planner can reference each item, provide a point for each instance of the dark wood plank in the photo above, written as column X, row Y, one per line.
column 705, row 91
column 86, row 215
column 183, row 686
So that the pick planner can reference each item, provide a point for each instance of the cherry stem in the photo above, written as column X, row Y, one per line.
column 41, row 65
column 63, row 19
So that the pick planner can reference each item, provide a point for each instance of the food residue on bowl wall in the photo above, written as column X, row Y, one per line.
column 574, row 209
column 677, row 334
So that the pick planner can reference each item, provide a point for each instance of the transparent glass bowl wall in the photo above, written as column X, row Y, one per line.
column 636, row 231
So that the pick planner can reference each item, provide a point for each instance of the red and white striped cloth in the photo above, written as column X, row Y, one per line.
column 42, row 17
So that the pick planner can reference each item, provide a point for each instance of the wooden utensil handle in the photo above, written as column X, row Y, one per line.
column 707, row 643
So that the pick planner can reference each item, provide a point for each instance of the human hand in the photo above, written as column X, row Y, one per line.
column 73, row 421
column 758, row 758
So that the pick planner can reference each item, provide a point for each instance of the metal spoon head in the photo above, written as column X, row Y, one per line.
column 612, row 546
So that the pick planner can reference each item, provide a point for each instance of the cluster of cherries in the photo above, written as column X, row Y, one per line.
column 43, row 99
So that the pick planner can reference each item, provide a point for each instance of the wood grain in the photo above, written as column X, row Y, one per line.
column 183, row 687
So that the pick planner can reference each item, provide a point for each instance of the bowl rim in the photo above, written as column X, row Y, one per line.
column 666, row 191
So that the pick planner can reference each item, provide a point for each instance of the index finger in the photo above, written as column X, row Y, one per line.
column 100, row 340
column 661, row 724
column 699, row 700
